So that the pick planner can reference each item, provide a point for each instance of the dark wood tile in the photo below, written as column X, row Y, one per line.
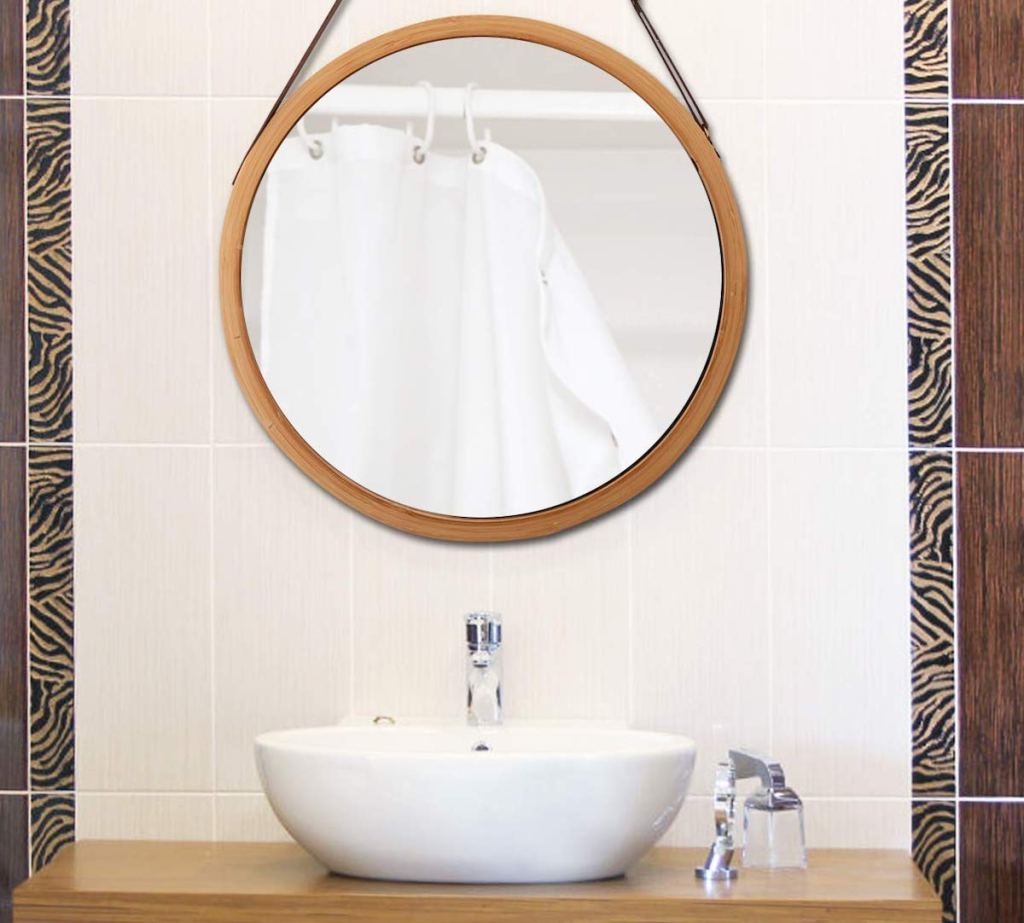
column 13, row 844
column 12, row 79
column 990, row 541
column 12, row 272
column 988, row 51
column 13, row 675
column 991, row 865
column 989, row 220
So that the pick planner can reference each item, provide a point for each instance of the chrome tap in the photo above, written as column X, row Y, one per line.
column 483, row 669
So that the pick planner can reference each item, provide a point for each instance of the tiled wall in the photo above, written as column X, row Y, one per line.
column 36, row 570
column 219, row 593
column 988, row 122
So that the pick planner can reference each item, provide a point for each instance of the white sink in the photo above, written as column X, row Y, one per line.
column 547, row 804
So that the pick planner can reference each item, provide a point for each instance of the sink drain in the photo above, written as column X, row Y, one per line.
column 482, row 747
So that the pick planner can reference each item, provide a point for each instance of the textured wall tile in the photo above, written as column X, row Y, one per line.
column 13, row 842
column 837, row 275
column 934, row 832
column 52, row 823
column 145, row 817
column 926, row 47
column 52, row 634
column 565, row 605
column 48, row 154
column 988, row 56
column 841, row 684
column 48, row 47
column 929, row 224
column 806, row 61
column 718, row 47
column 12, row 272
column 142, row 271
column 160, row 49
column 932, row 625
column 281, row 606
column 142, row 619
column 989, row 204
column 991, row 634
column 709, row 517
column 409, row 599
column 13, row 680
column 991, row 883
column 248, row 818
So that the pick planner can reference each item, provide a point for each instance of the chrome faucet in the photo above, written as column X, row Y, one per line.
column 483, row 669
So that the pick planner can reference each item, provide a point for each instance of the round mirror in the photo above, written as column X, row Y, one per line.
column 483, row 278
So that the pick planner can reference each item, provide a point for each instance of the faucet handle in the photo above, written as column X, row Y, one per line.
column 483, row 631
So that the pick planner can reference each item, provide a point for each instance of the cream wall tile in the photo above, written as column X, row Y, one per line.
column 281, row 606
column 142, row 619
column 820, row 49
column 248, row 819
column 565, row 608
column 740, row 419
column 142, row 271
column 605, row 20
column 719, row 47
column 701, row 609
column 256, row 44
column 860, row 824
column 139, row 47
column 837, row 275
column 410, row 596
column 234, row 124
column 144, row 817
column 840, row 648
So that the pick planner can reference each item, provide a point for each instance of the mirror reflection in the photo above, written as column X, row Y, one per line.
column 481, row 277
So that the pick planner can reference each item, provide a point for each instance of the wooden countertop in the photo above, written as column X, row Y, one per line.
column 256, row 882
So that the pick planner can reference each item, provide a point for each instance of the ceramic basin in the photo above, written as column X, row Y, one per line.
column 421, row 804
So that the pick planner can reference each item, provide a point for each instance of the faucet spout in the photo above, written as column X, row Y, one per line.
column 483, row 669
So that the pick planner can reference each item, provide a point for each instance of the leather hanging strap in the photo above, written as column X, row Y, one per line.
column 677, row 77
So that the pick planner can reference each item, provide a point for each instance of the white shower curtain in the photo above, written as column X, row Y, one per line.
column 427, row 332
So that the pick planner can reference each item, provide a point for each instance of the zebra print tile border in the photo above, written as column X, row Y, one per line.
column 51, row 827
column 48, row 47
column 48, row 185
column 926, row 48
column 930, row 423
column 929, row 279
column 51, row 620
column 934, row 824
column 932, row 628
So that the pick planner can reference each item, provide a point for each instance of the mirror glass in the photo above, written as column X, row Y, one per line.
column 482, row 277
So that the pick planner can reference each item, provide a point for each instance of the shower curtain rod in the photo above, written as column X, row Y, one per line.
column 365, row 101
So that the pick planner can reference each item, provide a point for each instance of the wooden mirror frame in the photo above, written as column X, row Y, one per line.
column 643, row 473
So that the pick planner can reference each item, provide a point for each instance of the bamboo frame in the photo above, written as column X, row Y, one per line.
column 629, row 483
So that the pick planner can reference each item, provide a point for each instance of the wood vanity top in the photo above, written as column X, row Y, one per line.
column 256, row 882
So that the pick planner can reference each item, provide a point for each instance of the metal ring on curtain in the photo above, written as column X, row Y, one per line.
column 313, row 145
column 420, row 152
column 479, row 150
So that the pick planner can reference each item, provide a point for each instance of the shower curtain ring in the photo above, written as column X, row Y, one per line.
column 479, row 150
column 419, row 153
column 313, row 145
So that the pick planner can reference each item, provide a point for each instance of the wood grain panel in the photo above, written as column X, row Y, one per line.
column 13, row 674
column 153, row 882
column 990, row 539
column 991, row 882
column 13, row 848
column 988, row 53
column 989, row 197
column 12, row 272
column 11, row 32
